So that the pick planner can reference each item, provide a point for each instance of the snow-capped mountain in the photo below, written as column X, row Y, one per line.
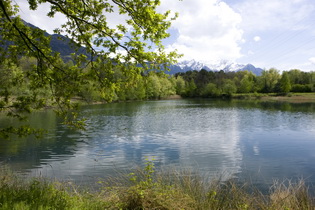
column 224, row 65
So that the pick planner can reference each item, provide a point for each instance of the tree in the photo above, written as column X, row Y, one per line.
column 167, row 88
column 191, row 88
column 153, row 86
column 295, row 76
column 229, row 87
column 285, row 84
column 180, row 85
column 135, row 43
column 269, row 79
column 247, row 82
column 210, row 90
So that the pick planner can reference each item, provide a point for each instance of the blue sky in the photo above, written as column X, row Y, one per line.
column 266, row 33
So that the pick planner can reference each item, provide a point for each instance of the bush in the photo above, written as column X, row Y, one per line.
column 298, row 88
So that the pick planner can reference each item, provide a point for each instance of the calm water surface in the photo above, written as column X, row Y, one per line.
column 243, row 139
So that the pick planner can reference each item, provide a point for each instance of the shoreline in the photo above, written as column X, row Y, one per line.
column 147, row 188
column 272, row 97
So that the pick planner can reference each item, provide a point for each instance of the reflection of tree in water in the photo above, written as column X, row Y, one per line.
column 202, row 133
column 266, row 105
column 27, row 153
column 287, row 106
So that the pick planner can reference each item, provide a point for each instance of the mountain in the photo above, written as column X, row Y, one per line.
column 252, row 68
column 61, row 44
column 64, row 46
column 224, row 65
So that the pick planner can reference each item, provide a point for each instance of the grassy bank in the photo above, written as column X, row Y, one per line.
column 148, row 189
column 290, row 97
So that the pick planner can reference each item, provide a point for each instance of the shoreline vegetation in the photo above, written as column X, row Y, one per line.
column 148, row 188
column 19, row 97
column 290, row 97
column 264, row 97
column 274, row 97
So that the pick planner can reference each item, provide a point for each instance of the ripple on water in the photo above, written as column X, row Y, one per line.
column 215, row 136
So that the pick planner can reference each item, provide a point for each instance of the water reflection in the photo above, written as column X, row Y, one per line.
column 240, row 138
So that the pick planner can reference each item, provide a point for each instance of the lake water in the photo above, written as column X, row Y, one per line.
column 256, row 141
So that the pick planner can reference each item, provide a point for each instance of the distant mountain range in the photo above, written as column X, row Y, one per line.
column 224, row 65
column 62, row 45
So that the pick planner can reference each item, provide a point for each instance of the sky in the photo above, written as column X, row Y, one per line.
column 265, row 33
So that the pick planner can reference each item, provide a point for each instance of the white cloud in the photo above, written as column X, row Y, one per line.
column 208, row 29
column 312, row 60
column 257, row 38
column 39, row 17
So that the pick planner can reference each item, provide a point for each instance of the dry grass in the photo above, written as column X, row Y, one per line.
column 290, row 97
column 150, row 189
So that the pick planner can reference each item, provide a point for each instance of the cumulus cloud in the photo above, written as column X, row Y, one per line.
column 257, row 38
column 312, row 60
column 208, row 29
column 39, row 17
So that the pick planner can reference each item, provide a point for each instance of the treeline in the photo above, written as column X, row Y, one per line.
column 109, row 84
column 139, row 85
column 216, row 84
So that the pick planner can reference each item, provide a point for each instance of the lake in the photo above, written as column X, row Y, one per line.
column 246, row 140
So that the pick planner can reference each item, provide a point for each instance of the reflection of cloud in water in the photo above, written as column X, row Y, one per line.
column 213, row 143
column 190, row 136
column 215, row 138
column 256, row 150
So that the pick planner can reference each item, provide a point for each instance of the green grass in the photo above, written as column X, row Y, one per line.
column 289, row 97
column 150, row 189
column 38, row 193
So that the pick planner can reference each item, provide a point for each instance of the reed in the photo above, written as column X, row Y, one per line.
column 147, row 188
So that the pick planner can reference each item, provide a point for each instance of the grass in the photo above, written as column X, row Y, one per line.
column 150, row 189
column 290, row 97
column 38, row 193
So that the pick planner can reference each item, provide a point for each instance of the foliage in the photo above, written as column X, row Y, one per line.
column 130, row 48
column 180, row 85
column 301, row 88
column 147, row 193
column 151, row 189
column 285, row 84
column 211, row 90
column 229, row 87
column 246, row 83
column 191, row 89
column 16, row 193
column 269, row 79
column 219, row 84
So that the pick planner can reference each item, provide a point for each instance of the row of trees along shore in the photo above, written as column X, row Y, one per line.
column 33, row 75
column 157, row 85
column 215, row 84
column 208, row 84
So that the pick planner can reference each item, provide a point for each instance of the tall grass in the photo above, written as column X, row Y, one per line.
column 149, row 189
column 38, row 193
